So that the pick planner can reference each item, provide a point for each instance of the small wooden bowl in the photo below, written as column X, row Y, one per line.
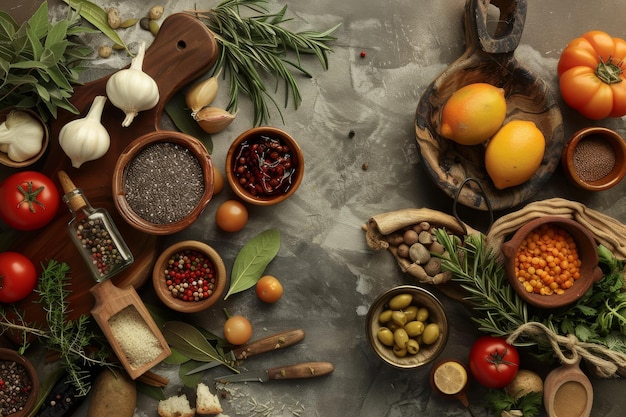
column 121, row 169
column 4, row 158
column 162, row 290
column 591, row 152
column 13, row 356
column 251, row 136
column 488, row 59
column 421, row 298
column 587, row 252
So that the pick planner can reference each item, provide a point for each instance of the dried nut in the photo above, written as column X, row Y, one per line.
column 105, row 51
column 437, row 248
column 214, row 119
column 128, row 23
column 118, row 47
column 144, row 23
column 156, row 12
column 410, row 237
column 154, row 27
column 433, row 266
column 113, row 18
column 403, row 250
column 201, row 94
column 419, row 254
column 425, row 238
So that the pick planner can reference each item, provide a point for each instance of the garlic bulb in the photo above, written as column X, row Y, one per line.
column 132, row 90
column 21, row 136
column 86, row 139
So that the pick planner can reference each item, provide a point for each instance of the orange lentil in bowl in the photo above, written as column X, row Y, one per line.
column 547, row 261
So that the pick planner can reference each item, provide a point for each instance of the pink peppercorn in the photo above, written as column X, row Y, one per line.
column 190, row 276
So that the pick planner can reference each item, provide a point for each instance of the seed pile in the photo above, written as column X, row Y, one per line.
column 134, row 336
column 547, row 261
column 593, row 159
column 163, row 183
column 96, row 240
column 190, row 276
column 15, row 387
column 264, row 166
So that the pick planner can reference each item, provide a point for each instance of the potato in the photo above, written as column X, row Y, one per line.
column 113, row 394
column 524, row 383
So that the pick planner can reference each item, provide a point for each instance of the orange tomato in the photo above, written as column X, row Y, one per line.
column 269, row 289
column 237, row 330
column 591, row 75
column 231, row 216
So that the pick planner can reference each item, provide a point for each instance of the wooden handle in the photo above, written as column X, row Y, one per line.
column 267, row 344
column 508, row 31
column 300, row 370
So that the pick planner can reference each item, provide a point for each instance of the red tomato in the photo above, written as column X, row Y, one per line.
column 231, row 216
column 18, row 277
column 28, row 200
column 592, row 75
column 269, row 289
column 493, row 362
column 237, row 330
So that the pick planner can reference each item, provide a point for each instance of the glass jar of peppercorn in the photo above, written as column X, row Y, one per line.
column 95, row 235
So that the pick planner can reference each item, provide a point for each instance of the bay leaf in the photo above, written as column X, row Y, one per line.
column 252, row 260
column 189, row 341
column 192, row 380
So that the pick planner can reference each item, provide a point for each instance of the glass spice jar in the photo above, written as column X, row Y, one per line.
column 94, row 234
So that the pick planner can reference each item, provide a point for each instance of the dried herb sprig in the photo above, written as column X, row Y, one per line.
column 39, row 63
column 72, row 339
column 255, row 47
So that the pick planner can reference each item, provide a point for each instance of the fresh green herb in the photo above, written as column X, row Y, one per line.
column 191, row 343
column 252, row 260
column 38, row 63
column 97, row 16
column 500, row 400
column 70, row 338
column 598, row 317
column 256, row 47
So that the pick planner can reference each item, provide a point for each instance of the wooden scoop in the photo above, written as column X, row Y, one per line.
column 488, row 59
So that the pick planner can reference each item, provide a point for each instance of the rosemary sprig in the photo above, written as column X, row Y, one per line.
column 257, row 46
column 70, row 338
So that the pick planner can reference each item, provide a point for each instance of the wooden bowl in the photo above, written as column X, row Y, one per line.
column 161, row 287
column 195, row 147
column 4, row 158
column 12, row 356
column 426, row 353
column 265, row 194
column 489, row 60
column 594, row 158
column 587, row 252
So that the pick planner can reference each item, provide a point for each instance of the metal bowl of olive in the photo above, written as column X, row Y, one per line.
column 264, row 166
column 406, row 327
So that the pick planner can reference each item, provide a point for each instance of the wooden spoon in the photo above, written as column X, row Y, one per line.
column 488, row 59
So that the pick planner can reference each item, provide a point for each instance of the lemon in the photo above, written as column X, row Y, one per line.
column 450, row 377
column 514, row 153
column 473, row 114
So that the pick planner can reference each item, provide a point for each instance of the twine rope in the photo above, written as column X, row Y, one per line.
column 605, row 362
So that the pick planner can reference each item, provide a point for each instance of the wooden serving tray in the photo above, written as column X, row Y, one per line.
column 183, row 50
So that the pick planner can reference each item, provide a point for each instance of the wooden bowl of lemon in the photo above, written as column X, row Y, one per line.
column 529, row 105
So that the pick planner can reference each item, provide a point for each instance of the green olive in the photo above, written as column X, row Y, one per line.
column 399, row 352
column 400, row 301
column 385, row 336
column 411, row 313
column 393, row 326
column 414, row 328
column 400, row 337
column 431, row 334
column 399, row 318
column 422, row 314
column 412, row 347
column 385, row 316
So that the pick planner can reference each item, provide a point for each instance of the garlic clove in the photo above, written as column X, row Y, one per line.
column 214, row 119
column 201, row 94
column 86, row 139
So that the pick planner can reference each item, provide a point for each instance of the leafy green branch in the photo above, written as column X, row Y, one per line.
column 39, row 63
column 74, row 340
column 257, row 46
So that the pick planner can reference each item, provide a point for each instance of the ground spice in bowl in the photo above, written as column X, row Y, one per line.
column 593, row 159
column 15, row 387
column 164, row 183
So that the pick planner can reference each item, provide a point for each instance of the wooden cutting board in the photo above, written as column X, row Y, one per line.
column 183, row 50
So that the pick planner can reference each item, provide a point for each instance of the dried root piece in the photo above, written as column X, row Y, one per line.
column 408, row 235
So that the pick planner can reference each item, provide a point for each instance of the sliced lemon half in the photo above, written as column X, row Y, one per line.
column 450, row 377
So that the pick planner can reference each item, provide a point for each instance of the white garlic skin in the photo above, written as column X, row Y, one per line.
column 86, row 139
column 132, row 90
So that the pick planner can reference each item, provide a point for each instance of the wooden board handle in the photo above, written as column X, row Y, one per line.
column 508, row 31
